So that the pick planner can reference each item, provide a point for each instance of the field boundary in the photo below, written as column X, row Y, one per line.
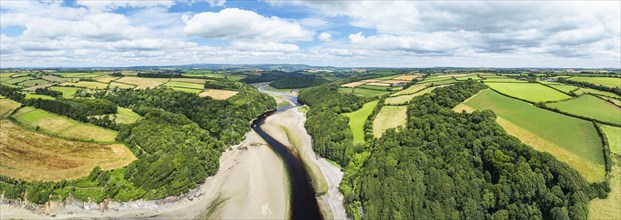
column 607, row 152
column 569, row 94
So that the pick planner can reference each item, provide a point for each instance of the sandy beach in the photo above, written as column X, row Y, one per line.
column 250, row 184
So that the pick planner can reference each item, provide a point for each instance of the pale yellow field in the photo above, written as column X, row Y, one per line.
column 143, row 83
column 190, row 80
column 7, row 106
column 105, row 79
column 121, row 85
column 218, row 94
column 412, row 89
column 408, row 77
column 389, row 117
column 63, row 126
column 378, row 84
column 87, row 84
column 32, row 156
column 354, row 84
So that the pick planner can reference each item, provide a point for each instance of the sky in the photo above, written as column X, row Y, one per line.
column 97, row 33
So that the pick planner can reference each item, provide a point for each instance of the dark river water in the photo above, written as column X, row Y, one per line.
column 303, row 202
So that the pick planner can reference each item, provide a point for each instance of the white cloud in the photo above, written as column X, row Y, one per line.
column 233, row 23
column 325, row 36
column 264, row 46
column 103, row 5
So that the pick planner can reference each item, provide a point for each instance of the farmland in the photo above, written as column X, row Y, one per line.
column 358, row 118
column 7, row 106
column 591, row 107
column 412, row 89
column 369, row 92
column 403, row 99
column 389, row 117
column 30, row 95
column 68, row 92
column 613, row 134
column 569, row 139
column 143, row 83
column 185, row 85
column 34, row 82
column 564, row 88
column 121, row 85
column 218, row 94
column 32, row 156
column 87, row 84
column 533, row 92
column 189, row 80
column 62, row 126
column 184, row 89
column 604, row 81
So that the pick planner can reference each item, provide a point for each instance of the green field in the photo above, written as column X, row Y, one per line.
column 369, row 92
column 33, row 82
column 68, row 92
column 389, row 117
column 565, row 88
column 412, row 89
column 88, row 75
column 18, row 79
column 183, row 89
column 533, row 92
column 125, row 116
column 591, row 107
column 358, row 118
column 67, row 75
column 185, row 85
column 570, row 139
column 37, row 96
column 62, row 126
column 88, row 84
column 613, row 134
column 603, row 81
column 595, row 91
column 345, row 90
column 503, row 79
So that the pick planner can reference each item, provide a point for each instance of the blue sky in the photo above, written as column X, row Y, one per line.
column 338, row 33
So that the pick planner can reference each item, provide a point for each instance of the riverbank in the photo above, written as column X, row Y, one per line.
column 250, row 184
column 288, row 128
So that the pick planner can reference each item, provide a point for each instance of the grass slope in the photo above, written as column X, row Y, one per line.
column 369, row 92
column 63, row 126
column 389, row 117
column 68, row 92
column 569, row 139
column 7, row 106
column 358, row 118
column 533, row 92
column 604, row 81
column 613, row 134
column 399, row 100
column 32, row 156
column 591, row 107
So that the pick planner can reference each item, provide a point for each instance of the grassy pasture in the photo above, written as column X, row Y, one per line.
column 569, row 139
column 369, row 92
column 218, row 94
column 70, row 75
column 53, row 78
column 88, row 75
column 614, row 138
column 604, row 81
column 68, row 92
column 7, row 106
column 503, row 79
column 185, row 85
column 33, row 82
column 87, row 84
column 609, row 208
column 358, row 118
column 18, row 79
column 595, row 91
column 32, row 156
column 591, row 107
column 125, row 116
column 189, row 80
column 403, row 99
column 346, row 90
column 143, row 83
column 412, row 89
column 37, row 96
column 62, row 126
column 533, row 92
column 563, row 87
column 183, row 89
column 389, row 117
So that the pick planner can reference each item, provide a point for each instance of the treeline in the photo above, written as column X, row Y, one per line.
column 12, row 93
column 295, row 82
column 615, row 90
column 267, row 76
column 461, row 165
column 78, row 109
column 222, row 84
column 45, row 91
column 162, row 74
column 332, row 138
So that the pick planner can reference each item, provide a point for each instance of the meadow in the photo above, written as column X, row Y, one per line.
column 358, row 118
column 564, row 88
column 533, row 92
column 87, row 84
column 62, row 126
column 185, row 85
column 32, row 156
column 604, row 81
column 30, row 95
column 591, row 107
column 403, row 99
column 189, row 80
column 569, row 139
column 7, row 106
column 613, row 134
column 389, row 117
column 369, row 92
column 68, row 92
column 17, row 80
column 412, row 89
column 124, row 116
column 33, row 82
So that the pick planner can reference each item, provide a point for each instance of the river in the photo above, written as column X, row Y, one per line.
column 303, row 202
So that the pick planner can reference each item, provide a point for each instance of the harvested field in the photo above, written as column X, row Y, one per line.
column 389, row 117
column 34, row 88
column 52, row 78
column 354, row 84
column 7, row 106
column 87, row 84
column 218, row 94
column 185, row 85
column 143, row 83
column 105, row 79
column 62, row 126
column 378, row 84
column 394, row 81
column 32, row 156
column 195, row 91
column 533, row 92
column 408, row 77
column 121, row 85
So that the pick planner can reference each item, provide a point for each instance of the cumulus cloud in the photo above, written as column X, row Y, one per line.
column 101, row 5
column 264, row 46
column 325, row 36
column 233, row 23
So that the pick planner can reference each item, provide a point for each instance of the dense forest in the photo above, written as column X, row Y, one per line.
column 295, row 82
column 177, row 142
column 456, row 165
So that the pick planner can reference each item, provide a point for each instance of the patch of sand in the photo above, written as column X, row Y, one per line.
column 250, row 184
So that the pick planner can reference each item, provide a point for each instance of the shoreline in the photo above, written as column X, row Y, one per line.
column 230, row 193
